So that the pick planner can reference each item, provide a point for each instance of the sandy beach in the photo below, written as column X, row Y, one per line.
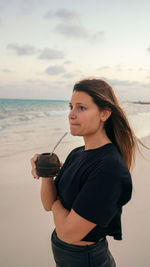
column 26, row 228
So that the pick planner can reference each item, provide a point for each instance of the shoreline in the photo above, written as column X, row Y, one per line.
column 72, row 143
column 141, row 102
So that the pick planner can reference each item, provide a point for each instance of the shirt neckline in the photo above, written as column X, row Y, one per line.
column 96, row 149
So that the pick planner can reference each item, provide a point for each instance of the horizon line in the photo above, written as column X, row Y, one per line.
column 8, row 98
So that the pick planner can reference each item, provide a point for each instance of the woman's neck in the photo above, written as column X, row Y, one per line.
column 96, row 140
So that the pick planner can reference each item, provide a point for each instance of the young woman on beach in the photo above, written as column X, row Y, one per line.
column 87, row 195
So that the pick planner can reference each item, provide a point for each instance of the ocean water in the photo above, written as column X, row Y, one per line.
column 33, row 125
column 38, row 124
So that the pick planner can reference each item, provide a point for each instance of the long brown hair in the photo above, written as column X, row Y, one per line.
column 117, row 126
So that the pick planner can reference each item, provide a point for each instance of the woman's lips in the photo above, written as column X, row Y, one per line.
column 74, row 124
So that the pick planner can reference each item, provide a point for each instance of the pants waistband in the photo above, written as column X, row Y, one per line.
column 100, row 244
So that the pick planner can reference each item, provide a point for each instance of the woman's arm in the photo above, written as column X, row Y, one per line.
column 70, row 227
column 48, row 189
column 48, row 193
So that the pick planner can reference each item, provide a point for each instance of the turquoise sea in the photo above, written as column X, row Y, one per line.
column 29, row 124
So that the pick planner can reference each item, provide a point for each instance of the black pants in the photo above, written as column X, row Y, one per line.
column 95, row 255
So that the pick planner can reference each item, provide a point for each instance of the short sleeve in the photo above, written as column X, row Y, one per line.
column 97, row 201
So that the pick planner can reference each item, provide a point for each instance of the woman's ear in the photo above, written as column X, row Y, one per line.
column 105, row 114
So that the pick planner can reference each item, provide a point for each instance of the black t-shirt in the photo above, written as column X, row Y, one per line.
column 96, row 183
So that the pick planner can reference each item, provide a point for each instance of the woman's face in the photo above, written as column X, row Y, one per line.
column 85, row 118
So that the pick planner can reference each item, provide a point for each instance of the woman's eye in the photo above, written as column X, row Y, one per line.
column 82, row 108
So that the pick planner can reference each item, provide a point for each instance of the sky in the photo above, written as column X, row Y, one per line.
column 48, row 45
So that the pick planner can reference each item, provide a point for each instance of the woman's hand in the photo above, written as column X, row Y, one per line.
column 61, row 164
column 33, row 161
column 33, row 171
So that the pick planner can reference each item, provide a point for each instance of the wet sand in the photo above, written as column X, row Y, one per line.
column 25, row 228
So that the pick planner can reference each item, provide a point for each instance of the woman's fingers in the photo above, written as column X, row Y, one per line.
column 35, row 157
column 33, row 171
column 33, row 163
column 61, row 164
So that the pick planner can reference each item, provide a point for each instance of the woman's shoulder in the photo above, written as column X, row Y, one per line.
column 74, row 152
column 110, row 160
column 79, row 148
column 108, row 154
column 76, row 149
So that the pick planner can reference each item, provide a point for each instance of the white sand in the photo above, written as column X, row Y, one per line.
column 133, row 250
column 25, row 228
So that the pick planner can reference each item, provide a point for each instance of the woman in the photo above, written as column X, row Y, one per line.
column 87, row 196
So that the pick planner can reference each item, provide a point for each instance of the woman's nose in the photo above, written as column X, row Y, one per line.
column 72, row 114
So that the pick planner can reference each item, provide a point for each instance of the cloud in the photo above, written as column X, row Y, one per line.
column 148, row 49
column 143, row 69
column 78, row 31
column 106, row 67
column 21, row 50
column 29, row 50
column 7, row 70
column 72, row 30
column 55, row 70
column 67, row 14
column 69, row 75
column 98, row 36
column 125, row 83
column 69, row 24
column 50, row 15
column 35, row 82
column 62, row 14
column 51, row 54
column 118, row 68
column 29, row 6
column 66, row 62
column 23, row 7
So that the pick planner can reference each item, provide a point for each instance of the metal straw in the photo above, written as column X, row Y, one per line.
column 58, row 143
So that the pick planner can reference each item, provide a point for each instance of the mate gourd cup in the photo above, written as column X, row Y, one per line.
column 47, row 165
